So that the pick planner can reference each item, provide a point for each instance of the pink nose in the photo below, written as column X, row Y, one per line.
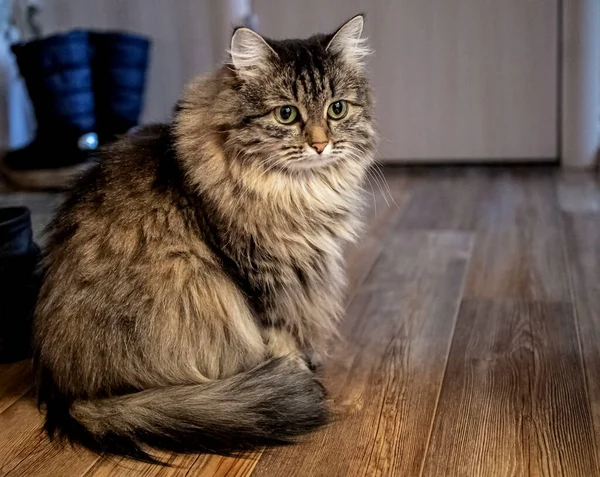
column 319, row 146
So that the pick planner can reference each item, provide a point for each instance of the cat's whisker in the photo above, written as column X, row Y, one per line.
column 374, row 177
column 377, row 175
column 372, row 173
column 381, row 175
column 372, row 195
column 269, row 168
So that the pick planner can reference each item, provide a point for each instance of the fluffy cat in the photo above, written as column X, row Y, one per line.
column 194, row 277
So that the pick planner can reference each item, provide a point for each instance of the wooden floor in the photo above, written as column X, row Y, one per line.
column 471, row 342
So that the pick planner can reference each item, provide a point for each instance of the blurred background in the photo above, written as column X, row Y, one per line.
column 461, row 80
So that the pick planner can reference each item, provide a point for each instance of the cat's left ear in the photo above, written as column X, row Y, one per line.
column 347, row 40
column 249, row 50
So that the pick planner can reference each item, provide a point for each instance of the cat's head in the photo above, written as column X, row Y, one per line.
column 301, row 104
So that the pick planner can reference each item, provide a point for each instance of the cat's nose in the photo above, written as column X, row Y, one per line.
column 319, row 146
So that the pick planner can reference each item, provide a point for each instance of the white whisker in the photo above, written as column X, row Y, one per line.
column 373, row 195
column 376, row 179
column 385, row 182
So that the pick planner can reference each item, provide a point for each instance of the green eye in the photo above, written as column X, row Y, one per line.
column 286, row 114
column 337, row 110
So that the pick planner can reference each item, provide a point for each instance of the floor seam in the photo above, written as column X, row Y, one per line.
column 576, row 321
column 450, row 343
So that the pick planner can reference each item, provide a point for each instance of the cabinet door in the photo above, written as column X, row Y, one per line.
column 455, row 80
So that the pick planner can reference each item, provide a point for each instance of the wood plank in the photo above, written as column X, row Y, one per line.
column 578, row 192
column 526, row 269
column 513, row 400
column 224, row 466
column 561, row 434
column 582, row 234
column 385, row 207
column 445, row 199
column 515, row 365
column 26, row 451
column 384, row 379
column 524, row 196
column 518, row 250
column 179, row 466
column 15, row 381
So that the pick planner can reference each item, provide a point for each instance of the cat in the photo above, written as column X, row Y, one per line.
column 193, row 280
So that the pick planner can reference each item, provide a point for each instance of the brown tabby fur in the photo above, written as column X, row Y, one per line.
column 192, row 273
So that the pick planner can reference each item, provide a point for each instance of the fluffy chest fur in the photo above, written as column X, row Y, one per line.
column 282, row 243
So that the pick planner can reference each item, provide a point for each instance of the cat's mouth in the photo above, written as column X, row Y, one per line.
column 311, row 159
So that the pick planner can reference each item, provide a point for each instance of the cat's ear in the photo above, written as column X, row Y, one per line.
column 347, row 41
column 249, row 50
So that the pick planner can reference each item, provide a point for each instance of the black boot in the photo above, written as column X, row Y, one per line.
column 57, row 72
column 19, row 282
column 120, row 62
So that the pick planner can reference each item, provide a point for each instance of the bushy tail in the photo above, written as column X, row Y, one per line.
column 269, row 405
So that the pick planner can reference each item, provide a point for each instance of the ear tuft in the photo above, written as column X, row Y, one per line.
column 347, row 41
column 248, row 49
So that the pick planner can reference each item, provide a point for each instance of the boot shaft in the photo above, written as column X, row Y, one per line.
column 57, row 73
column 119, row 66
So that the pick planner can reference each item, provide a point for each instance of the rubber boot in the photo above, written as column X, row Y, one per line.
column 19, row 282
column 58, row 75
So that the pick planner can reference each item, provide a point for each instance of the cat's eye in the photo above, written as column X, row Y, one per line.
column 337, row 110
column 286, row 114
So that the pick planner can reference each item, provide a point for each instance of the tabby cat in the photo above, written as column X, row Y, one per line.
column 193, row 279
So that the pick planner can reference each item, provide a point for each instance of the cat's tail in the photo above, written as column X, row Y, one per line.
column 269, row 405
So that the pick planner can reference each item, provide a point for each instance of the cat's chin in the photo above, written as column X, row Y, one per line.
column 313, row 162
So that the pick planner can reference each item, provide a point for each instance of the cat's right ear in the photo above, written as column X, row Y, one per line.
column 249, row 50
column 348, row 42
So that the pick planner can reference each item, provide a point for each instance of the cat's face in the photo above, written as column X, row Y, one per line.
column 302, row 104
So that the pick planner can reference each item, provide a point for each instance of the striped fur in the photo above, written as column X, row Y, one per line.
column 196, row 271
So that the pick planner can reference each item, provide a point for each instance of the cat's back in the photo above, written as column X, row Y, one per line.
column 133, row 197
column 140, row 166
